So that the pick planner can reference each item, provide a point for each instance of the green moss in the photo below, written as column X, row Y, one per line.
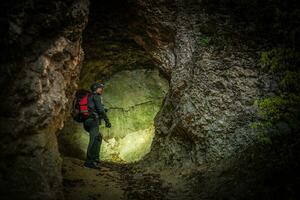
column 273, row 108
column 282, row 63
column 279, row 59
column 204, row 40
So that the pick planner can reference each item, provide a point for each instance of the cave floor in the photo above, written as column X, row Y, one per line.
column 111, row 182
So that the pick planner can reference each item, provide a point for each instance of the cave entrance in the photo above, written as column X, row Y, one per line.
column 133, row 98
column 134, row 88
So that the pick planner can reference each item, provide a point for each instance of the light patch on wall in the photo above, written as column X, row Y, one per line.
column 131, row 148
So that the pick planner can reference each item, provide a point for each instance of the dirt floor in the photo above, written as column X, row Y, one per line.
column 111, row 182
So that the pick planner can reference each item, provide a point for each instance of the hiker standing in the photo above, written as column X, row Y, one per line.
column 91, row 125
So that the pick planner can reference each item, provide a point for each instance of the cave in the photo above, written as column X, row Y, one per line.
column 203, row 98
column 133, row 98
column 134, row 87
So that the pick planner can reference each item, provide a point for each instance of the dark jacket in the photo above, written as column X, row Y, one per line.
column 96, row 107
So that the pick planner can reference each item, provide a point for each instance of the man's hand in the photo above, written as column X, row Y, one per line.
column 107, row 124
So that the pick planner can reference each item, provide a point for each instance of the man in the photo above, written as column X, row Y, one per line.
column 91, row 125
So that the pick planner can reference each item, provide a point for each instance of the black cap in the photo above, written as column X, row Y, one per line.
column 96, row 85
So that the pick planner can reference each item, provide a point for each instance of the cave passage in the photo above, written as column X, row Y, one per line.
column 203, row 97
column 134, row 89
column 133, row 98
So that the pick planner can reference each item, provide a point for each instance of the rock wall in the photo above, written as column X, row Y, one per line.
column 205, row 144
column 206, row 117
column 39, row 71
column 214, row 86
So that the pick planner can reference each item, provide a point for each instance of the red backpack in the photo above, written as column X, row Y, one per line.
column 80, row 111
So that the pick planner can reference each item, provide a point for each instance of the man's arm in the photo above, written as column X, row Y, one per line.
column 100, row 109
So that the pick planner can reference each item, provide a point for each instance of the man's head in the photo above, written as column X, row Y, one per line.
column 97, row 88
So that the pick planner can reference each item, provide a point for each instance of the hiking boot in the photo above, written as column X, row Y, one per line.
column 97, row 163
column 91, row 165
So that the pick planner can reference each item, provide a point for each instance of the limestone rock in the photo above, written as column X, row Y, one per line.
column 211, row 102
column 39, row 74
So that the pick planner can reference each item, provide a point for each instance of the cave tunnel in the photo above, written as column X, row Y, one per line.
column 203, row 97
column 134, row 87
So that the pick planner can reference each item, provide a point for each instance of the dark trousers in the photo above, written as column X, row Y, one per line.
column 93, row 150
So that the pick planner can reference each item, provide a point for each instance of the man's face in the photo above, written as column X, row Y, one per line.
column 99, row 90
